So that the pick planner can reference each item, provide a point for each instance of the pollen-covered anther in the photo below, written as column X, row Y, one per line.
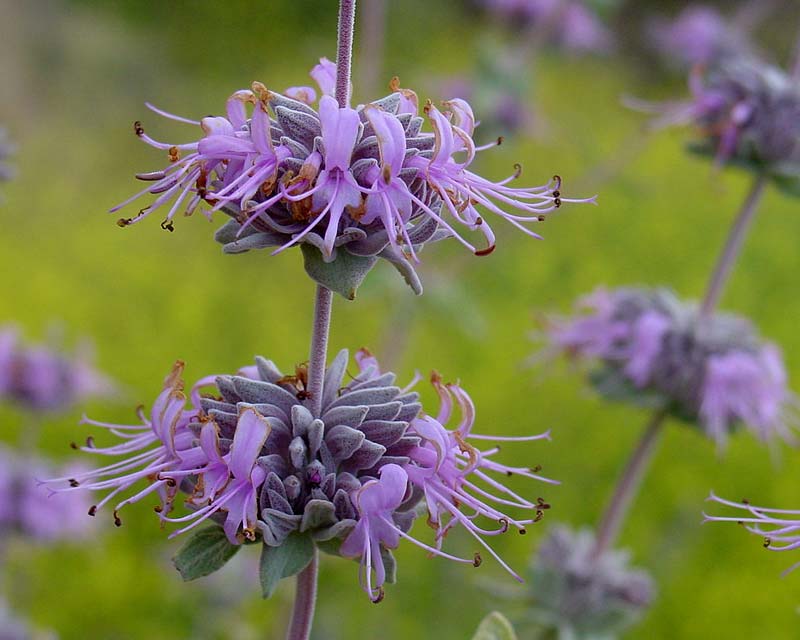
column 138, row 129
column 174, row 154
column 477, row 561
column 767, row 542
column 124, row 222
column 261, row 91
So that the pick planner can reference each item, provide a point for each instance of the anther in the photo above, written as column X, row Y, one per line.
column 503, row 524
column 73, row 445
column 500, row 140
column 541, row 218
column 536, row 469
column 381, row 596
column 168, row 226
column 174, row 154
column 90, row 442
column 93, row 510
column 486, row 251
column 117, row 520
column 124, row 222
column 523, row 531
column 477, row 561
column 767, row 542
column 557, row 202
column 138, row 129
column 158, row 508
column 73, row 483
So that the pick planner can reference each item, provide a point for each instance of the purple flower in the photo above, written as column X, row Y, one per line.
column 28, row 509
column 255, row 460
column 699, row 34
column 568, row 24
column 41, row 378
column 576, row 592
column 458, row 479
column 650, row 348
column 365, row 180
column 778, row 528
column 747, row 113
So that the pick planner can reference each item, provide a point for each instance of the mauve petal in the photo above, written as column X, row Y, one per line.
column 216, row 126
column 260, row 130
column 339, row 133
column 355, row 543
column 235, row 107
column 442, row 129
column 223, row 146
column 306, row 95
column 391, row 137
column 209, row 442
column 324, row 74
column 252, row 430
column 386, row 494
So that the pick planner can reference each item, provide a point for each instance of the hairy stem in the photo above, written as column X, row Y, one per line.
column 344, row 51
column 733, row 245
column 319, row 348
column 304, row 601
column 628, row 485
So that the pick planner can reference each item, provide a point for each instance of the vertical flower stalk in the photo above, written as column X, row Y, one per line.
column 636, row 468
column 306, row 584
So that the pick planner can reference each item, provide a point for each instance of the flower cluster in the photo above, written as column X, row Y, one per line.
column 577, row 594
column 6, row 150
column 27, row 508
column 41, row 378
column 366, row 180
column 568, row 24
column 253, row 458
column 748, row 114
column 699, row 34
column 653, row 349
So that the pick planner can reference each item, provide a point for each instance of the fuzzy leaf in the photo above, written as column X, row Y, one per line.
column 281, row 562
column 343, row 275
column 495, row 626
column 205, row 551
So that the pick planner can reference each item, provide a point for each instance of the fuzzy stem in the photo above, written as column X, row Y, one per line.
column 628, row 485
column 344, row 51
column 319, row 348
column 733, row 245
column 304, row 601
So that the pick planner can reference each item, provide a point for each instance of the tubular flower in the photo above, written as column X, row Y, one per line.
column 577, row 594
column 747, row 113
column 40, row 378
column 650, row 348
column 366, row 180
column 778, row 528
column 254, row 459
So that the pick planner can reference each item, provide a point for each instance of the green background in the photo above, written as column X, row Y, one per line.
column 75, row 76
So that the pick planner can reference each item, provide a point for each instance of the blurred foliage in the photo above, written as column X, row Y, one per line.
column 76, row 75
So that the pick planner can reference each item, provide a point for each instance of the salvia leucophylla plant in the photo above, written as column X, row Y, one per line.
column 26, row 508
column 42, row 378
column 314, row 459
column 649, row 348
column 574, row 593
column 350, row 185
column 748, row 114
column 252, row 457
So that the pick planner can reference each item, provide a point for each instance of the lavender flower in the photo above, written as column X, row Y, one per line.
column 748, row 114
column 578, row 595
column 569, row 24
column 650, row 348
column 255, row 460
column 363, row 180
column 41, row 378
column 27, row 508
column 699, row 34
column 778, row 528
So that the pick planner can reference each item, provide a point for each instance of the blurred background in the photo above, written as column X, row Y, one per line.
column 74, row 75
